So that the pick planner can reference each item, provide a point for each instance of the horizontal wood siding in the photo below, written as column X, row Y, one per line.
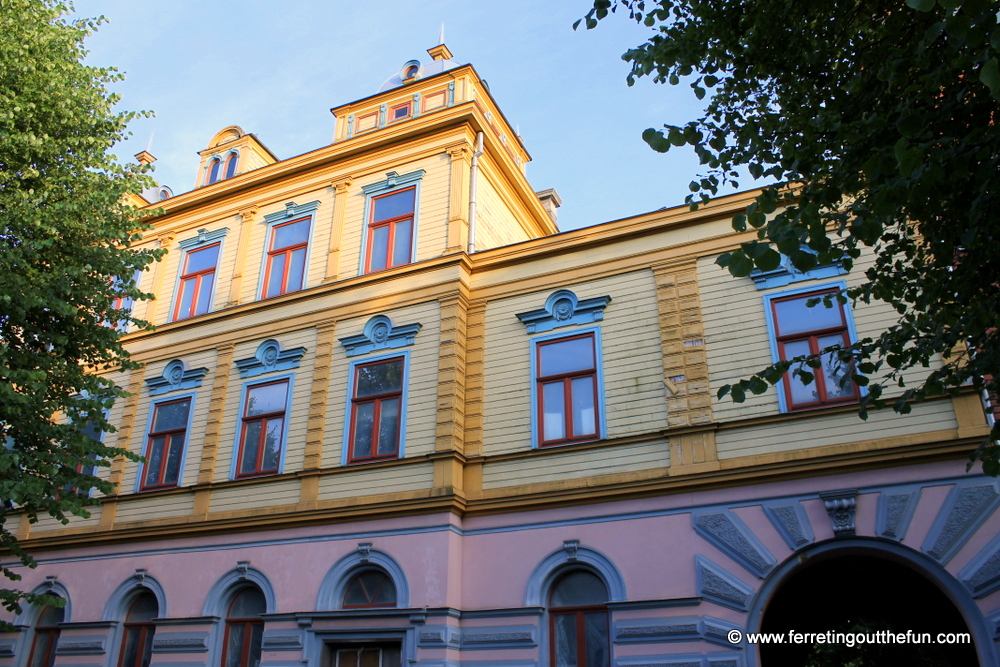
column 556, row 465
column 496, row 224
column 811, row 432
column 261, row 494
column 632, row 361
column 140, row 508
column 362, row 481
column 47, row 523
column 421, row 387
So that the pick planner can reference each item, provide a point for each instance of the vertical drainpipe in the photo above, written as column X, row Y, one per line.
column 473, row 178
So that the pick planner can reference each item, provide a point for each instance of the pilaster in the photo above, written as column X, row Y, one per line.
column 340, row 197
column 318, row 396
column 246, row 226
column 450, row 431
column 216, row 415
column 458, row 200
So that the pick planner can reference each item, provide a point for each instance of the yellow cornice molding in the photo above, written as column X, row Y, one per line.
column 568, row 493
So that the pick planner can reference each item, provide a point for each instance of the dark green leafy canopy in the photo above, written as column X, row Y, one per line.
column 878, row 120
column 65, row 257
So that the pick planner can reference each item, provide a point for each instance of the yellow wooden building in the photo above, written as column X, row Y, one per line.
column 391, row 415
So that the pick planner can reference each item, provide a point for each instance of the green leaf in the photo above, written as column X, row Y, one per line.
column 921, row 5
column 990, row 75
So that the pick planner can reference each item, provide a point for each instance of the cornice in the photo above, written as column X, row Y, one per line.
column 522, row 500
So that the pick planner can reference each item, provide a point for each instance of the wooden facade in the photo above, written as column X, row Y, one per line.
column 474, row 507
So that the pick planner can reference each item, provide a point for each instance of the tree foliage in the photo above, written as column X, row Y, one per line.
column 875, row 124
column 66, row 261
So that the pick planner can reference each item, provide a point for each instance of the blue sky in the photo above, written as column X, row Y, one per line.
column 276, row 69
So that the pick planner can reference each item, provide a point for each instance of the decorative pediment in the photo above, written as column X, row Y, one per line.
column 393, row 180
column 563, row 308
column 176, row 375
column 787, row 274
column 292, row 210
column 270, row 357
column 203, row 237
column 380, row 334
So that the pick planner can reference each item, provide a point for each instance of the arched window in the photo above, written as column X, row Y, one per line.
column 213, row 171
column 43, row 646
column 137, row 639
column 578, row 621
column 371, row 588
column 244, row 628
column 231, row 165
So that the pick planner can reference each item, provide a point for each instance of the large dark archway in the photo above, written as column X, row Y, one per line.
column 865, row 587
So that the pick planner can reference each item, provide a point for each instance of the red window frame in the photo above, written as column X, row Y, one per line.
column 393, row 118
column 168, row 436
column 199, row 278
column 144, row 639
column 377, row 399
column 812, row 337
column 393, row 224
column 264, row 418
column 213, row 171
column 287, row 251
column 248, row 625
column 371, row 595
column 51, row 635
column 567, row 380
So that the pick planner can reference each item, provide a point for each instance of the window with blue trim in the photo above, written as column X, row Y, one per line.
column 376, row 410
column 801, row 330
column 263, row 429
column 566, row 389
column 164, row 449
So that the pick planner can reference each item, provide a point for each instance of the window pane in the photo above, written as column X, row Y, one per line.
column 380, row 248
column 554, row 411
column 379, row 378
column 583, row 406
column 147, row 647
column 171, row 416
column 567, row 356
column 257, row 634
column 174, row 457
column 388, row 426
column 205, row 294
column 402, row 243
column 275, row 275
column 130, row 646
column 370, row 657
column 391, row 657
column 272, row 444
column 187, row 295
column 154, row 461
column 265, row 399
column 145, row 608
column 579, row 589
column 387, row 594
column 565, row 640
column 231, row 166
column 347, row 657
column 234, row 645
column 794, row 317
column 251, row 444
column 199, row 260
column 213, row 174
column 296, row 269
column 596, row 639
column 51, row 617
column 800, row 392
column 248, row 603
column 396, row 204
column 290, row 234
column 837, row 376
column 364, row 416
column 356, row 595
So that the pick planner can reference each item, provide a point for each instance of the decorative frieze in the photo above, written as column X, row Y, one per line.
column 717, row 585
column 730, row 535
column 964, row 510
column 895, row 510
column 789, row 518
column 270, row 357
column 176, row 375
column 379, row 333
column 562, row 309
